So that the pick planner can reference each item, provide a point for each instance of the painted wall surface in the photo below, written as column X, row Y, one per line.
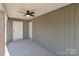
column 10, row 27
column 9, row 30
column 77, row 28
column 55, row 31
column 25, row 29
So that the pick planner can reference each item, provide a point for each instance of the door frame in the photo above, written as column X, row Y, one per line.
column 30, row 30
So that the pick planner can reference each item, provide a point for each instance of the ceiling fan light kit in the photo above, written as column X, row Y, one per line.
column 27, row 15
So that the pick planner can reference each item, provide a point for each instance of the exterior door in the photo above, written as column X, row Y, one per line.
column 17, row 30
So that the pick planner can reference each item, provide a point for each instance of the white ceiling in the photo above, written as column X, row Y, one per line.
column 39, row 8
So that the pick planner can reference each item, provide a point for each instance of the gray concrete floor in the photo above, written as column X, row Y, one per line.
column 27, row 48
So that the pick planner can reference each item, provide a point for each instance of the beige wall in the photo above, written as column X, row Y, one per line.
column 2, row 33
column 56, row 31
column 77, row 28
column 10, row 26
column 25, row 29
column 9, row 30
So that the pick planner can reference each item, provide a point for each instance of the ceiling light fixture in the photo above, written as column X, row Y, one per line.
column 28, row 15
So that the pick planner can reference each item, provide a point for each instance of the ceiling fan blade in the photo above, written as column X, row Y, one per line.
column 32, row 15
column 22, row 12
column 31, row 12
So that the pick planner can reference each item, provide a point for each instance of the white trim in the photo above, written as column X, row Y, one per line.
column 6, row 51
column 30, row 30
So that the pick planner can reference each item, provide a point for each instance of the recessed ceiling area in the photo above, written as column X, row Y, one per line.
column 39, row 9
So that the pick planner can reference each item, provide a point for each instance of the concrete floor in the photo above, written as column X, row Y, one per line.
column 27, row 48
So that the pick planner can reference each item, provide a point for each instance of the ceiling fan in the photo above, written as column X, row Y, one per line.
column 28, row 13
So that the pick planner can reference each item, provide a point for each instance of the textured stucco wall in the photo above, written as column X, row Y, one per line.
column 2, row 33
column 2, row 30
